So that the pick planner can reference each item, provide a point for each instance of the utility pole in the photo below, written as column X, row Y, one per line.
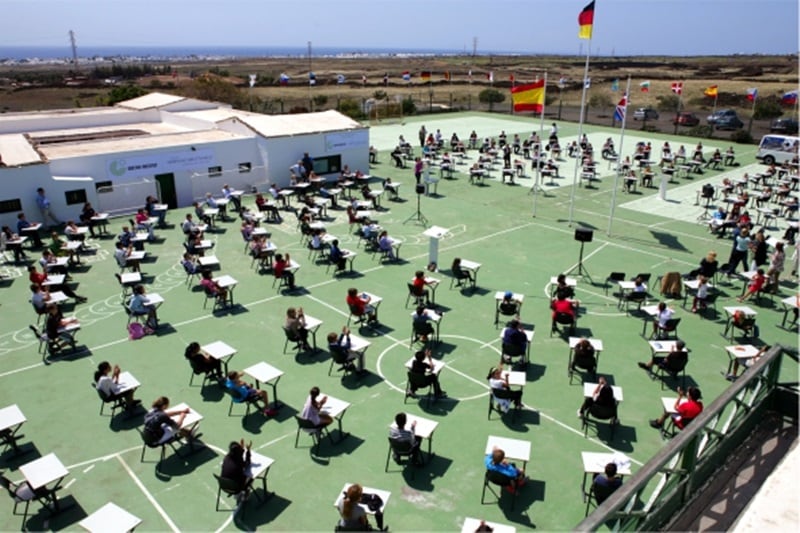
column 74, row 46
column 474, row 46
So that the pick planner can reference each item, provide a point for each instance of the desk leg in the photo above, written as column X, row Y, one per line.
column 342, row 434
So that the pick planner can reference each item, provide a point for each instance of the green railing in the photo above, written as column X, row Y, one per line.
column 664, row 485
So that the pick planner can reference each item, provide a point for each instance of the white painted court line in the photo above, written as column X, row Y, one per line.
column 149, row 496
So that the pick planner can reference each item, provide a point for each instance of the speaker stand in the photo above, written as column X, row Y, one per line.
column 417, row 215
column 580, row 270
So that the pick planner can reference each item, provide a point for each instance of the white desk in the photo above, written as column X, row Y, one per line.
column 588, row 391
column 741, row 352
column 110, row 518
column 154, row 299
column 424, row 428
column 259, row 468
column 336, row 409
column 384, row 495
column 514, row 449
column 208, row 261
column 515, row 379
column 473, row 267
column 53, row 280
column 126, row 382
column 191, row 419
column 669, row 404
column 43, row 471
column 312, row 326
column 220, row 351
column 595, row 463
column 267, row 374
column 57, row 297
column 789, row 303
column 658, row 347
column 11, row 419
column 226, row 282
column 437, row 365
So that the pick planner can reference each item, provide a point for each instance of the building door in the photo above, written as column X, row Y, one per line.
column 166, row 189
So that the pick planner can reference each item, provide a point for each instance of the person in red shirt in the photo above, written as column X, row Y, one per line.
column 757, row 283
column 419, row 284
column 38, row 278
column 359, row 305
column 687, row 407
column 562, row 305
column 279, row 269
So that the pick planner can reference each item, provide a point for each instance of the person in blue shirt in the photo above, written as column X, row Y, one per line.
column 140, row 306
column 245, row 392
column 336, row 255
column 43, row 202
column 496, row 462
column 609, row 478
column 514, row 334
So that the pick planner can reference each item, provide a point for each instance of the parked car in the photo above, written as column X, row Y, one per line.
column 721, row 114
column 783, row 125
column 645, row 113
column 728, row 123
column 686, row 119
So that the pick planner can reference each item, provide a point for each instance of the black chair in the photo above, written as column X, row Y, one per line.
column 635, row 297
column 419, row 299
column 673, row 368
column 565, row 319
column 291, row 337
column 316, row 432
column 420, row 329
column 585, row 362
column 710, row 301
column 502, row 394
column 343, row 358
column 613, row 277
column 644, row 275
column 116, row 402
column 502, row 481
column 232, row 488
column 418, row 382
column 670, row 429
column 747, row 326
column 505, row 309
column 236, row 398
column 402, row 449
column 147, row 443
column 509, row 351
column 669, row 331
column 361, row 318
column 600, row 412
column 19, row 493
column 199, row 370
column 597, row 495
column 44, row 342
column 219, row 299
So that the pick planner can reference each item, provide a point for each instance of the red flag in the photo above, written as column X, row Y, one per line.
column 677, row 87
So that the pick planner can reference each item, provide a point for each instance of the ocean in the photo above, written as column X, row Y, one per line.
column 165, row 53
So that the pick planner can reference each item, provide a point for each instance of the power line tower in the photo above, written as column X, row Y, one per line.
column 474, row 46
column 74, row 46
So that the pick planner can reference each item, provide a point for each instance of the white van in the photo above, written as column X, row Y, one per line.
column 777, row 148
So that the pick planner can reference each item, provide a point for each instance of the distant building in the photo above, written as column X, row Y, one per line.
column 170, row 146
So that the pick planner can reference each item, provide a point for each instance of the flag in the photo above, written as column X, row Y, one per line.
column 529, row 97
column 511, row 78
column 645, row 86
column 615, row 85
column 619, row 112
column 587, row 83
column 340, row 79
column 425, row 76
column 446, row 76
column 364, row 79
column 752, row 94
column 283, row 79
column 253, row 78
column 711, row 91
column 789, row 98
column 469, row 74
column 677, row 87
column 386, row 78
column 312, row 78
column 585, row 21
column 406, row 76
column 562, row 82
column 490, row 76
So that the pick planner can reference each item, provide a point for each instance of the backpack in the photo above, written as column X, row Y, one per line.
column 135, row 331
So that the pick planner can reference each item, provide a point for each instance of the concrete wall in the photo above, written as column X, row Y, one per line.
column 21, row 183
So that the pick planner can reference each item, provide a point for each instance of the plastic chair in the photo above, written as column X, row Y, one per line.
column 502, row 481
column 614, row 277
column 316, row 432
column 232, row 488
column 418, row 381
column 668, row 331
column 402, row 450
column 600, row 412
column 565, row 319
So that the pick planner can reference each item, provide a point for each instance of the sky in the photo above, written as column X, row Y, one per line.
column 621, row 27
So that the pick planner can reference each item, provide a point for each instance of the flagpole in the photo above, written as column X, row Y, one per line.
column 678, row 111
column 541, row 132
column 310, row 99
column 580, row 132
column 619, row 157
column 752, row 112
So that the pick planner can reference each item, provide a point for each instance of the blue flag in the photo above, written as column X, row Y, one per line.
column 615, row 85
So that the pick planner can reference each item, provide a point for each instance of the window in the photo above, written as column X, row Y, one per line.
column 244, row 168
column 214, row 172
column 10, row 206
column 103, row 187
column 78, row 196
column 328, row 165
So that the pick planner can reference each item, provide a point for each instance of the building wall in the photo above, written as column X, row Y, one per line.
column 21, row 183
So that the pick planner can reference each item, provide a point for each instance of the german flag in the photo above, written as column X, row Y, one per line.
column 529, row 97
column 585, row 21
column 425, row 76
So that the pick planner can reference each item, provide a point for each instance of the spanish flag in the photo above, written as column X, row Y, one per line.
column 586, row 20
column 529, row 97
column 425, row 76
column 711, row 91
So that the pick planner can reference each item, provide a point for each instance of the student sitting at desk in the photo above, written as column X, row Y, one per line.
column 584, row 356
column 421, row 323
column 227, row 192
column 139, row 306
column 608, row 479
column 281, row 269
column 514, row 335
column 339, row 347
column 312, row 409
column 247, row 393
column 150, row 204
column 496, row 462
column 353, row 516
column 212, row 288
column 602, row 396
column 203, row 362
column 39, row 278
column 497, row 381
column 161, row 427
column 422, row 365
column 295, row 324
column 755, row 285
column 385, row 244
column 509, row 306
column 677, row 358
column 190, row 229
column 123, row 257
column 561, row 305
column 200, row 214
column 359, row 305
column 106, row 380
column 7, row 235
column 57, row 337
column 236, row 465
column 87, row 213
column 336, row 255
column 399, row 433
column 22, row 224
column 73, row 232
column 687, row 407
column 459, row 273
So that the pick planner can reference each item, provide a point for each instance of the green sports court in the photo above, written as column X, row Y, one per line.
column 520, row 237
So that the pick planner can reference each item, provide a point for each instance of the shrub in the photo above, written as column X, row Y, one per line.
column 767, row 108
column 409, row 107
column 742, row 137
column 491, row 97
column 667, row 103
column 351, row 108
column 701, row 130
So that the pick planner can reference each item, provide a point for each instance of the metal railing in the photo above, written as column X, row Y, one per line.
column 664, row 485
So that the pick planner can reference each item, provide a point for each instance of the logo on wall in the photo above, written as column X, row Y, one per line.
column 118, row 167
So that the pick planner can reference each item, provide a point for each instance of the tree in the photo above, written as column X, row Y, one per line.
column 409, row 107
column 491, row 97
column 767, row 108
column 667, row 103
column 215, row 89
column 598, row 101
column 124, row 92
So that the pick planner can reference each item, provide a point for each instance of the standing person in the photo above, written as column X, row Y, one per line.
column 43, row 202
column 418, row 166
column 308, row 163
column 423, row 133
column 776, row 265
column 759, row 247
column 312, row 410
column 236, row 465
column 741, row 243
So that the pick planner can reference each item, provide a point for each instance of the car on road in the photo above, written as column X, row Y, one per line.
column 728, row 123
column 645, row 113
column 783, row 125
column 686, row 119
column 721, row 115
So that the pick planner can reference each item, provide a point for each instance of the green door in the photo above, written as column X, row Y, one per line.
column 166, row 189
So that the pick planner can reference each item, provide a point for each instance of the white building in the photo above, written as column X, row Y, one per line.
column 173, row 147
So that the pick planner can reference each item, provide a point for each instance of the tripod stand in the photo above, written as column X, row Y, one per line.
column 581, row 270
column 417, row 215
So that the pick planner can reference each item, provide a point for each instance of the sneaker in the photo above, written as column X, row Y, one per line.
column 269, row 412
column 643, row 366
column 730, row 377
column 694, row 309
column 511, row 489
column 655, row 424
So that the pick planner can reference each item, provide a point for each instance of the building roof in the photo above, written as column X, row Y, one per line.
column 299, row 124
column 135, row 144
column 16, row 149
column 151, row 100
